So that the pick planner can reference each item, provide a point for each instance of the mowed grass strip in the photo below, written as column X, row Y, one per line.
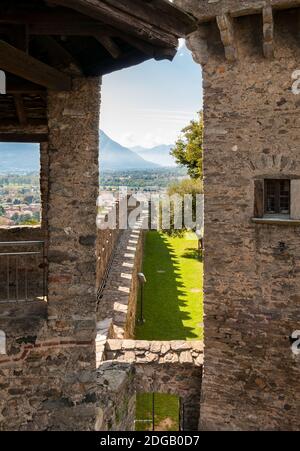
column 173, row 294
column 166, row 416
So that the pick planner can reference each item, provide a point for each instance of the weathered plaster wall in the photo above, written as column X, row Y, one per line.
column 252, row 303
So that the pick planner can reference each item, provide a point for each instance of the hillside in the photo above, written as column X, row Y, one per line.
column 115, row 157
column 159, row 154
column 18, row 158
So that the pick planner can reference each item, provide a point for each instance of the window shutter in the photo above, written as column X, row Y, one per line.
column 258, row 198
column 295, row 199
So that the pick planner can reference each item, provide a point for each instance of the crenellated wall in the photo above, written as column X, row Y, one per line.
column 252, row 131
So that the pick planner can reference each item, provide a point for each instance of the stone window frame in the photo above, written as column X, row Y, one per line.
column 260, row 215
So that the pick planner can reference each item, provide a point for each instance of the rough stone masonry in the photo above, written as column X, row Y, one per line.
column 248, row 51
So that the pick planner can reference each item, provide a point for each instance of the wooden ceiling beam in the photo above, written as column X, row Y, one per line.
column 19, row 36
column 19, row 137
column 15, row 85
column 163, row 15
column 122, row 20
column 69, row 29
column 13, row 124
column 20, row 108
column 19, row 16
column 25, row 66
column 58, row 55
column 109, row 44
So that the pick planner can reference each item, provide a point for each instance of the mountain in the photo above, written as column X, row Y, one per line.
column 19, row 158
column 115, row 157
column 159, row 154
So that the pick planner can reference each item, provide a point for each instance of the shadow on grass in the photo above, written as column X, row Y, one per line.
column 165, row 293
column 193, row 254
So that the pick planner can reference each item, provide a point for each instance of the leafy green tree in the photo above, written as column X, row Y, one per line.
column 188, row 150
column 2, row 211
column 186, row 186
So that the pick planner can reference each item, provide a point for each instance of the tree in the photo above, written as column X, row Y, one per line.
column 192, row 187
column 188, row 150
column 2, row 211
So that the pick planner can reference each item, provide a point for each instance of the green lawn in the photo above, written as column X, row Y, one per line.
column 166, row 412
column 173, row 309
column 173, row 294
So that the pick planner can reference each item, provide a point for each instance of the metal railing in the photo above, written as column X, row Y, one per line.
column 17, row 265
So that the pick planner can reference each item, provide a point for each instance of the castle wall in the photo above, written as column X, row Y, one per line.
column 118, row 301
column 48, row 374
column 252, row 302
column 138, row 366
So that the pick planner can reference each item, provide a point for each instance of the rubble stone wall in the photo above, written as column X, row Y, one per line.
column 252, row 284
column 48, row 376
column 119, row 298
column 132, row 367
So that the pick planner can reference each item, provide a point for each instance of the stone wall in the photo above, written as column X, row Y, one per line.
column 119, row 296
column 134, row 367
column 252, row 131
column 48, row 376
column 116, row 410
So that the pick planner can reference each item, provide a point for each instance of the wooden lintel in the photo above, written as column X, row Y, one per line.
column 25, row 66
column 24, row 137
column 16, row 85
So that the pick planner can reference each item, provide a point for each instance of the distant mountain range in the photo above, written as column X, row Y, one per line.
column 17, row 158
column 159, row 154
column 114, row 157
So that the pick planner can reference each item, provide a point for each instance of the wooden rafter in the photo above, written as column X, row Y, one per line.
column 70, row 29
column 122, row 20
column 166, row 16
column 19, row 63
column 15, row 85
column 57, row 53
column 109, row 44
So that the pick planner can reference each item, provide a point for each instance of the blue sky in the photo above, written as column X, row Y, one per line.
column 150, row 103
